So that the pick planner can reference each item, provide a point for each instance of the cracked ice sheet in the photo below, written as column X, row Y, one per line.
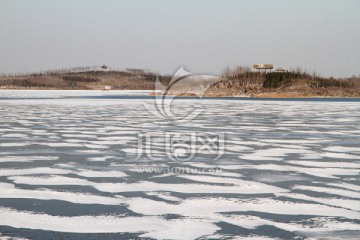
column 248, row 187
column 8, row 190
column 322, row 164
column 154, row 227
column 329, row 190
column 240, row 186
column 46, row 171
column 204, row 207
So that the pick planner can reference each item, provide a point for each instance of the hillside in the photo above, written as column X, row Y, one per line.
column 95, row 78
column 233, row 83
column 284, row 85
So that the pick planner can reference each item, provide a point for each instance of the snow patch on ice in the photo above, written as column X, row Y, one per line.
column 27, row 158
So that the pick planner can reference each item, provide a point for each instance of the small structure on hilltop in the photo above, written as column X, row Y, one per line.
column 264, row 67
column 280, row 69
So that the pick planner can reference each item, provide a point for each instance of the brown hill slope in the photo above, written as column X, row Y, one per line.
column 246, row 83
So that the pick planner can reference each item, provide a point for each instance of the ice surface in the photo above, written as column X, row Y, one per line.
column 291, row 166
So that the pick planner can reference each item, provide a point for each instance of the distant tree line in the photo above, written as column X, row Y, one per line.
column 280, row 79
column 241, row 73
column 325, row 83
column 36, row 83
column 241, row 79
column 79, row 78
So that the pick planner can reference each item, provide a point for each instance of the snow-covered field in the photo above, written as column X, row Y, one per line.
column 69, row 169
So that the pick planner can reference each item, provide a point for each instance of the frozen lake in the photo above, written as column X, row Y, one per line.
column 70, row 168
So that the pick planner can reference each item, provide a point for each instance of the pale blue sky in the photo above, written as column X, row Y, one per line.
column 203, row 35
